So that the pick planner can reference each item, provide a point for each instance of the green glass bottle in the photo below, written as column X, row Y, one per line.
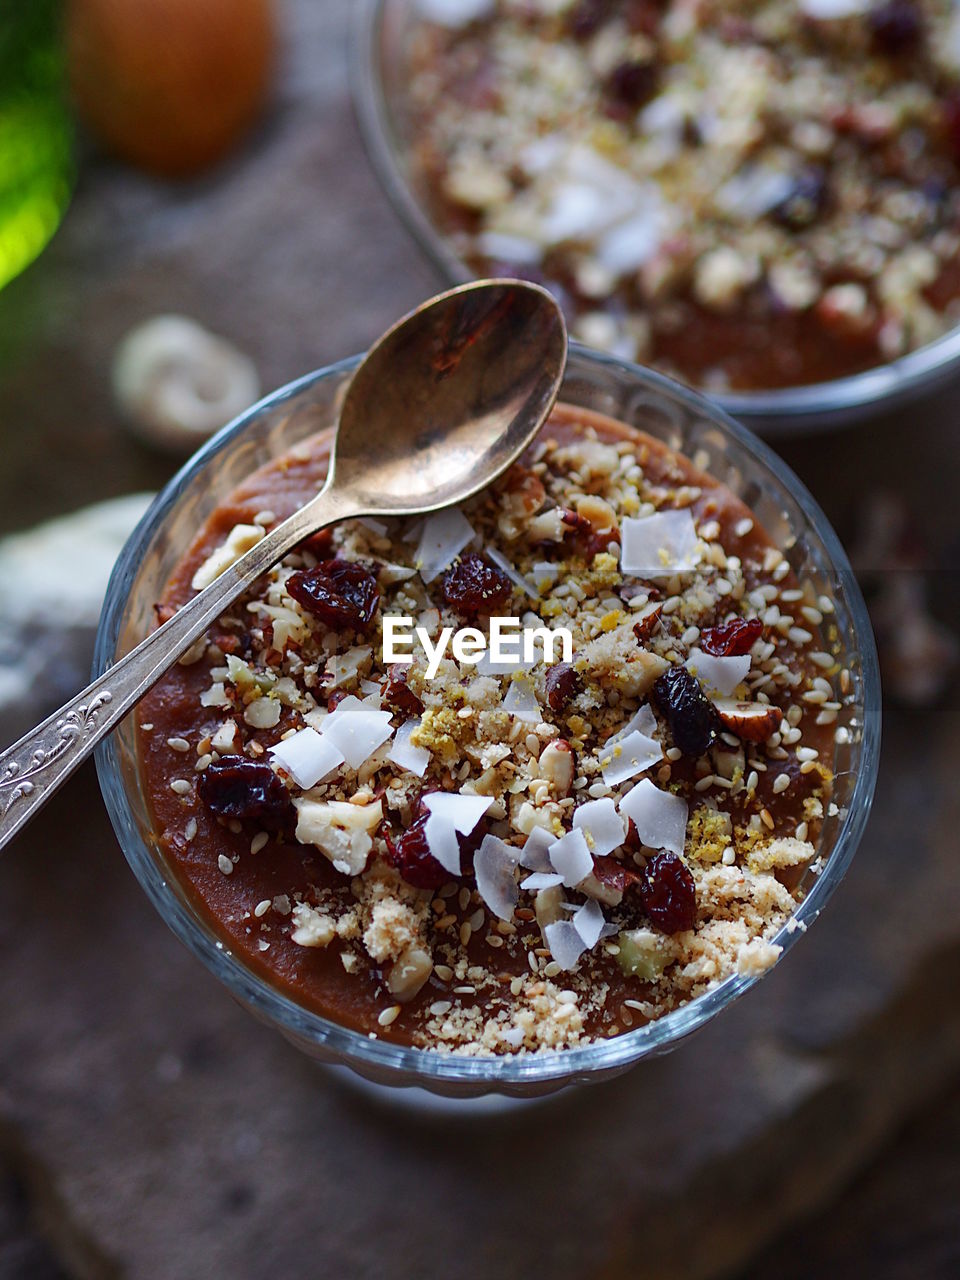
column 36, row 154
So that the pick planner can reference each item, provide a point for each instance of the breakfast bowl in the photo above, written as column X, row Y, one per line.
column 671, row 414
column 386, row 35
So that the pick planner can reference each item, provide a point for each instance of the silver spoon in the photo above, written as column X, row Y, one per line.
column 440, row 406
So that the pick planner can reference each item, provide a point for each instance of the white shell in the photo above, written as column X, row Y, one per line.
column 176, row 383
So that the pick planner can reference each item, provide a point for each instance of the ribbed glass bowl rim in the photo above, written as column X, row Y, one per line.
column 413, row 1064
column 781, row 412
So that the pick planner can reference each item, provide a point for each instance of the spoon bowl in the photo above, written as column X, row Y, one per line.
column 441, row 405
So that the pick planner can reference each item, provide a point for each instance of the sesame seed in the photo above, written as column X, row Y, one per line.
column 190, row 830
column 705, row 784
column 465, row 931
column 178, row 744
column 225, row 865
column 813, row 616
column 388, row 1015
column 780, row 783
column 767, row 819
column 729, row 856
column 807, row 753
column 261, row 909
column 440, row 1007
column 824, row 660
column 826, row 716
column 802, row 831
column 181, row 786
column 743, row 527
column 258, row 841
column 443, row 972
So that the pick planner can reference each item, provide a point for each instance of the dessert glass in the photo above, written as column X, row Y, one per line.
column 381, row 34
column 686, row 422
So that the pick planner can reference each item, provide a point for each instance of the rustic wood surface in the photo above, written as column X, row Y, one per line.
column 146, row 1122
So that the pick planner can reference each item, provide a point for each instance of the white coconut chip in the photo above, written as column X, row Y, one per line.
column 518, row 580
column 487, row 667
column 521, row 701
column 444, row 535
column 665, row 542
column 307, row 757
column 642, row 721
column 628, row 756
column 588, row 922
column 495, row 864
column 718, row 674
column 356, row 730
column 601, row 824
column 827, row 10
column 405, row 754
column 565, row 943
column 535, row 854
column 660, row 818
column 541, row 880
column 451, row 812
column 545, row 573
column 571, row 856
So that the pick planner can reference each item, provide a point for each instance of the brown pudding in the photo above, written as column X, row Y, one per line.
column 665, row 790
column 745, row 195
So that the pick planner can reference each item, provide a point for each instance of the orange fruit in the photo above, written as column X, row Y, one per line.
column 170, row 85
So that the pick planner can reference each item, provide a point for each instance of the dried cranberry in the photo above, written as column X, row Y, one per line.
column 341, row 593
column 614, row 874
column 631, row 84
column 805, row 201
column 335, row 697
column 896, row 27
column 411, row 855
column 235, row 787
column 951, row 122
column 731, row 639
column 587, row 17
column 562, row 683
column 398, row 695
column 668, row 893
column 473, row 585
column 692, row 718
column 645, row 628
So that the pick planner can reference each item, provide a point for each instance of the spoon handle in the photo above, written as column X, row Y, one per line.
column 32, row 769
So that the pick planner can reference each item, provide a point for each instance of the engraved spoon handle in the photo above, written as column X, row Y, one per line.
column 33, row 768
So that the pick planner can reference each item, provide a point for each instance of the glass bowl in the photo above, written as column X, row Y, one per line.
column 378, row 56
column 685, row 421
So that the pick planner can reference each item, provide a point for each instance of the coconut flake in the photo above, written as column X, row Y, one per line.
column 495, row 864
column 565, row 943
column 535, row 853
column 571, row 856
column 306, row 756
column 718, row 675
column 356, row 730
column 753, row 191
column 601, row 824
column 659, row 817
column 342, row 667
column 588, row 922
column 665, row 542
column 444, row 535
column 642, row 721
column 521, row 701
column 451, row 812
column 487, row 667
column 518, row 580
column 628, row 756
column 541, row 880
column 545, row 574
column 405, row 754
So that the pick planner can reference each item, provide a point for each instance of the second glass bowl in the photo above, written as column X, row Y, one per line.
column 379, row 60
column 683, row 420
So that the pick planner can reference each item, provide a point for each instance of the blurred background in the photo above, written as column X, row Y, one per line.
column 148, row 1127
